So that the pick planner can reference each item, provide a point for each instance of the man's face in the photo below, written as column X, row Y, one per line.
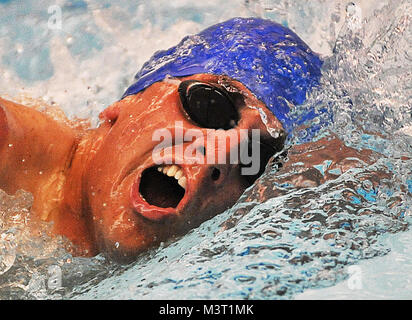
column 134, row 201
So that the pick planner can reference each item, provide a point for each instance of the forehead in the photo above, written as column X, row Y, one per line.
column 223, row 81
column 226, row 82
column 166, row 91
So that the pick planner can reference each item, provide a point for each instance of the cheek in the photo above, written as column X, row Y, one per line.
column 211, row 202
column 120, row 232
column 110, row 205
column 230, row 193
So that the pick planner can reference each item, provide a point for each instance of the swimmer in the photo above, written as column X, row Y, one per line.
column 102, row 188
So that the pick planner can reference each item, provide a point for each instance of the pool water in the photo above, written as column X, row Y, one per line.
column 342, row 239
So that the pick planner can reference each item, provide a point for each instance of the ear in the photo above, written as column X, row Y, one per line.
column 111, row 113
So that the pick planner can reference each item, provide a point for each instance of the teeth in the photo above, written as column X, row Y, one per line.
column 175, row 172
column 172, row 170
column 178, row 174
column 182, row 182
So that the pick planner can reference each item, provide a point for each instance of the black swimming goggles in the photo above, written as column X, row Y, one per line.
column 212, row 107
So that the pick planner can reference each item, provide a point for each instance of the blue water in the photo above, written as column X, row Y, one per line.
column 343, row 239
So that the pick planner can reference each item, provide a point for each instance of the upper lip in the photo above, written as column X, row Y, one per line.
column 152, row 212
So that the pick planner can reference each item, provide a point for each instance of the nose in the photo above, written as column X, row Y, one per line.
column 218, row 156
column 216, row 184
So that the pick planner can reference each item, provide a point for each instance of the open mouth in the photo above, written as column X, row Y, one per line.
column 160, row 191
column 163, row 187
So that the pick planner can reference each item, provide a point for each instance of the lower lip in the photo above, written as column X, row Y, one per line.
column 149, row 211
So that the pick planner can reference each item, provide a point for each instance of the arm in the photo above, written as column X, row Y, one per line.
column 310, row 165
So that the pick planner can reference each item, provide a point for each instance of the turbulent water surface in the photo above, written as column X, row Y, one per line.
column 349, row 236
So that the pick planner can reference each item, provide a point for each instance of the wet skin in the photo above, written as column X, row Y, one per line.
column 88, row 181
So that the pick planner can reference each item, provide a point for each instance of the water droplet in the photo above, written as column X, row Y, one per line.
column 19, row 48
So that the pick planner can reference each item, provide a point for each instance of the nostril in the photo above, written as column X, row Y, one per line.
column 215, row 174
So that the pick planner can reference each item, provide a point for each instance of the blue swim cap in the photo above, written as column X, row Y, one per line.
column 269, row 59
